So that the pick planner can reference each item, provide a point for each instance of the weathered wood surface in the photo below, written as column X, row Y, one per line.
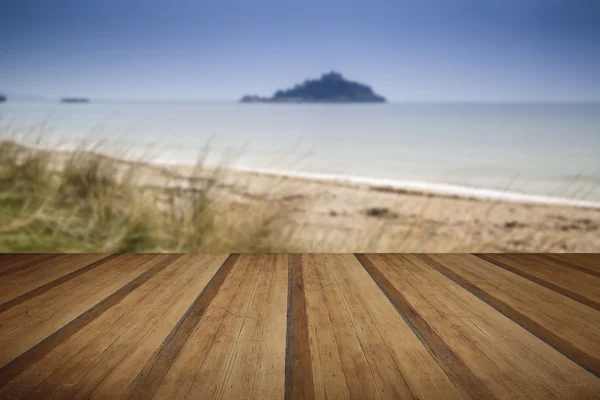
column 300, row 326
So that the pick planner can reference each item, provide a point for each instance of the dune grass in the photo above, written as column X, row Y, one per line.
column 87, row 202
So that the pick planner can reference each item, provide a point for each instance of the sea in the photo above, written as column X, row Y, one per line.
column 537, row 152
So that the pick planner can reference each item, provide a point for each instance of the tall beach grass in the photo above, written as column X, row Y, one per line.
column 85, row 200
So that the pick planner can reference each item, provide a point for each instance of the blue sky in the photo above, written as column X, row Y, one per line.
column 419, row 50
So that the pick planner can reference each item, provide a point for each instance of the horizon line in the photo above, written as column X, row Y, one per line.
column 40, row 98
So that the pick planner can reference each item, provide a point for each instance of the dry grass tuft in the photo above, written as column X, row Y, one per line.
column 84, row 201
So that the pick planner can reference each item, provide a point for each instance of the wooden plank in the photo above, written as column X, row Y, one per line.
column 80, row 375
column 42, row 273
column 269, row 379
column 298, row 372
column 39, row 308
column 452, row 364
column 11, row 264
column 9, row 258
column 590, row 261
column 211, row 377
column 491, row 365
column 178, row 381
column 50, row 285
column 571, row 283
column 251, row 365
column 581, row 262
column 35, row 353
column 67, row 360
column 403, row 367
column 139, row 348
column 368, row 364
column 357, row 369
column 386, row 374
column 201, row 367
column 512, row 362
column 517, row 338
column 42, row 265
column 564, row 324
column 26, row 324
column 329, row 377
column 241, row 370
column 151, row 376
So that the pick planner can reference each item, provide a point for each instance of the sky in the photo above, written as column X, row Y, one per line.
column 407, row 50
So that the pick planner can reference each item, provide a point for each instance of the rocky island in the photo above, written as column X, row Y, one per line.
column 330, row 88
column 2, row 98
column 74, row 100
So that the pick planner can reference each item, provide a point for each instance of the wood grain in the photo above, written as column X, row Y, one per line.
column 298, row 367
column 590, row 362
column 296, row 326
column 34, row 354
column 154, row 371
column 130, row 317
column 52, row 284
column 201, row 361
column 449, row 361
column 10, row 264
column 574, row 284
column 577, row 261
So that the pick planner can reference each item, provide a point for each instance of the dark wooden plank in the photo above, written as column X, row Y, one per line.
column 34, row 354
column 27, row 262
column 57, row 282
column 510, row 265
column 7, row 259
column 299, row 382
column 452, row 365
column 151, row 376
column 572, row 260
column 587, row 361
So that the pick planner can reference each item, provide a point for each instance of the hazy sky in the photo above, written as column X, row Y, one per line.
column 419, row 50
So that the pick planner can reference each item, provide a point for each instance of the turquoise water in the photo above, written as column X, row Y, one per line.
column 545, row 149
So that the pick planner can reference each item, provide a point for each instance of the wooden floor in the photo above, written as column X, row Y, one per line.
column 300, row 326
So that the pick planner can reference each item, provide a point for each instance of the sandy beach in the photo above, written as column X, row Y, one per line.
column 321, row 215
column 338, row 217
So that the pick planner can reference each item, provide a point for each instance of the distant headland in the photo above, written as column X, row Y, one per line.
column 330, row 88
column 74, row 100
column 2, row 98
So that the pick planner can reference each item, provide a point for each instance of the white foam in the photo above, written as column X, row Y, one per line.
column 394, row 184
column 433, row 188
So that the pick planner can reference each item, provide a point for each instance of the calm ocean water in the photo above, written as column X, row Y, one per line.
column 543, row 149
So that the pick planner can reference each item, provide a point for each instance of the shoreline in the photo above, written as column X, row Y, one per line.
column 399, row 186
column 428, row 188
column 337, row 213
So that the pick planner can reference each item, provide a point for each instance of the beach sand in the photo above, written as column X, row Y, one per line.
column 334, row 216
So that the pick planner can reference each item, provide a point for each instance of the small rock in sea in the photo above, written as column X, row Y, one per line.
column 380, row 212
